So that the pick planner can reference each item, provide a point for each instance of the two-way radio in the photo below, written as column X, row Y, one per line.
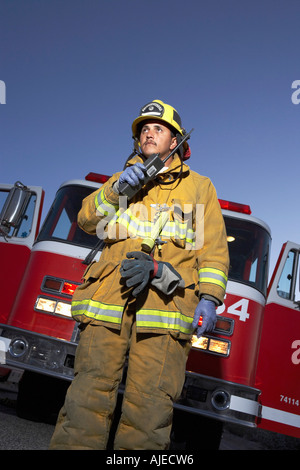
column 153, row 165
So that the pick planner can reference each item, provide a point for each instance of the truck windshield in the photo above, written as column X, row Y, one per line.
column 61, row 221
column 249, row 246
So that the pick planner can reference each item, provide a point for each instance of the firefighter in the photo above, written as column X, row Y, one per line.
column 140, row 305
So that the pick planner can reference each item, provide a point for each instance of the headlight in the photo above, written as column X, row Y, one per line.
column 62, row 308
column 44, row 304
column 213, row 345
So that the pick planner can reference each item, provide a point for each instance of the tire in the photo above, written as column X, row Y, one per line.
column 195, row 432
column 40, row 397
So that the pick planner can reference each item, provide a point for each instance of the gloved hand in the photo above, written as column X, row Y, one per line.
column 207, row 310
column 133, row 175
column 166, row 279
column 137, row 270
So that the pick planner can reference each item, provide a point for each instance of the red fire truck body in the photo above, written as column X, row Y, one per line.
column 245, row 372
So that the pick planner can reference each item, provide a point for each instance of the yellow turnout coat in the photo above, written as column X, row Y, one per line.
column 194, row 242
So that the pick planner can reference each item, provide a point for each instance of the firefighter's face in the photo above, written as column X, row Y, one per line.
column 155, row 137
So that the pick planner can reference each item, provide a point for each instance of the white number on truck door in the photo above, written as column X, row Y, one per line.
column 240, row 309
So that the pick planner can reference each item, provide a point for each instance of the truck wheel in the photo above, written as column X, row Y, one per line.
column 194, row 432
column 40, row 397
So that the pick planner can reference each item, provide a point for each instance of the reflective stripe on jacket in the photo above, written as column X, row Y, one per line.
column 172, row 321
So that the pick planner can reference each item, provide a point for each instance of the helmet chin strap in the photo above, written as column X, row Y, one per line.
column 137, row 148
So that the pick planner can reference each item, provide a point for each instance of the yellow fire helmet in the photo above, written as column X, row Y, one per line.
column 161, row 111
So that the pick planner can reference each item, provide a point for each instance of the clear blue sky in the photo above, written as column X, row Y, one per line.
column 78, row 71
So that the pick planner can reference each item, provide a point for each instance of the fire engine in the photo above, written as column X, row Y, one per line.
column 245, row 372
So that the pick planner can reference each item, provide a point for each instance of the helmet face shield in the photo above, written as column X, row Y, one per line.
column 156, row 109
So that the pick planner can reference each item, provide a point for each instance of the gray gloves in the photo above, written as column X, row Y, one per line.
column 137, row 270
column 140, row 269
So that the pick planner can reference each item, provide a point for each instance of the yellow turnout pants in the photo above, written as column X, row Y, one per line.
column 155, row 376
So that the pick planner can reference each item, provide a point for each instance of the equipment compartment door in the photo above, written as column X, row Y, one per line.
column 278, row 368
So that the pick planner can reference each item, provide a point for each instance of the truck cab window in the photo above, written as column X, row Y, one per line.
column 249, row 245
column 288, row 285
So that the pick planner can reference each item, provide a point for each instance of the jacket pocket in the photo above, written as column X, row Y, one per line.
column 172, row 375
column 93, row 271
column 187, row 299
column 95, row 277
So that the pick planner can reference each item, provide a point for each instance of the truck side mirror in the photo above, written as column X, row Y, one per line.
column 297, row 279
column 14, row 206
